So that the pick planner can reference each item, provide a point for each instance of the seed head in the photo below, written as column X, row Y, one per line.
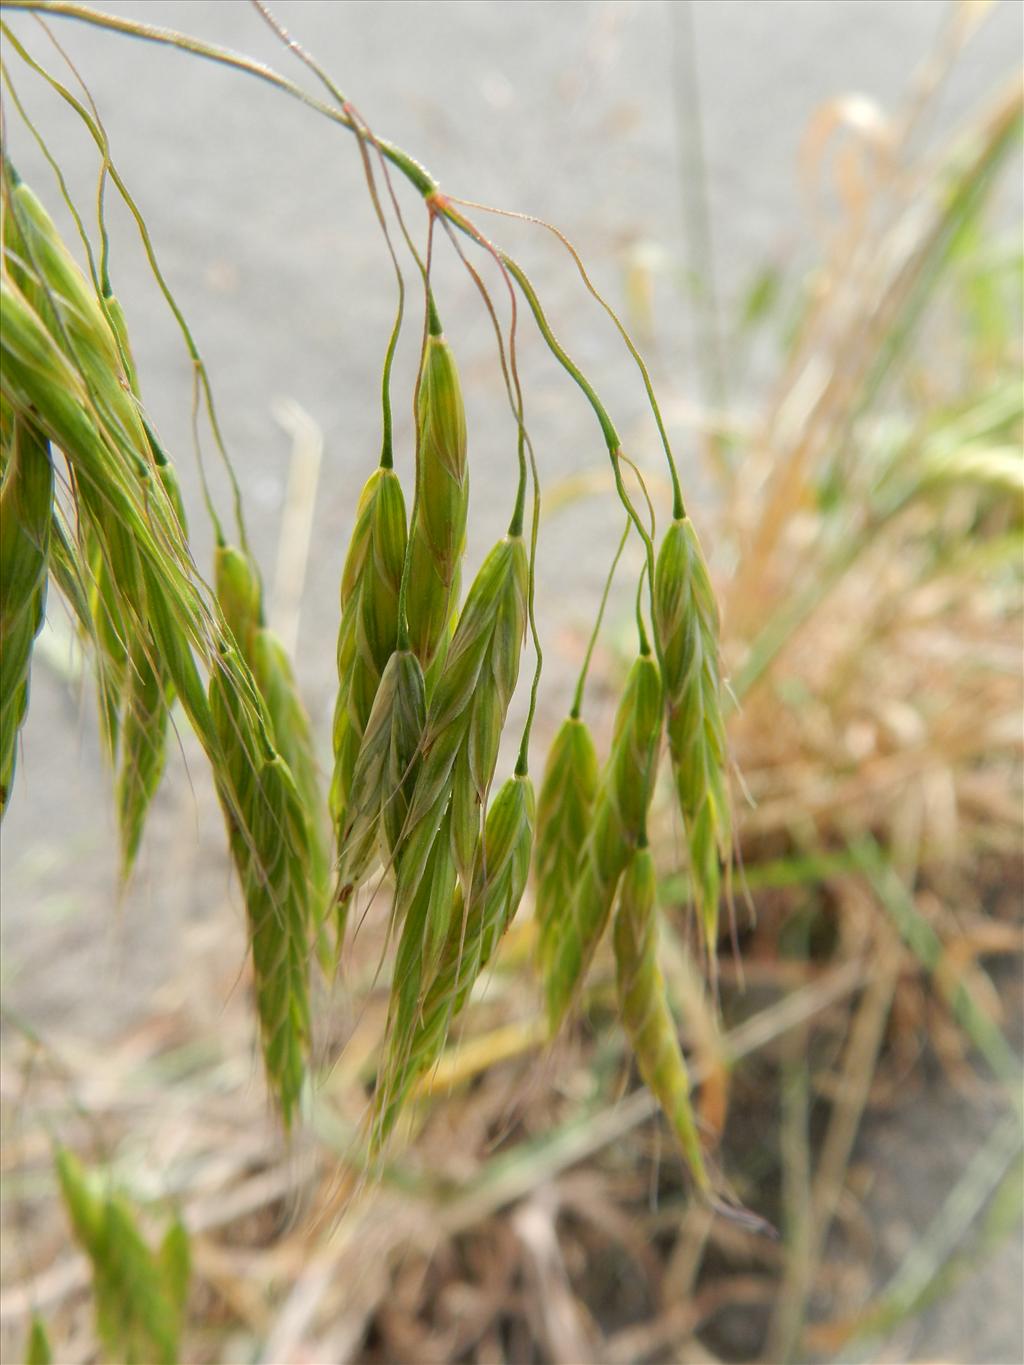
column 644, row 1010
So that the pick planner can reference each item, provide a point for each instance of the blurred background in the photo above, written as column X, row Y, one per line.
column 809, row 215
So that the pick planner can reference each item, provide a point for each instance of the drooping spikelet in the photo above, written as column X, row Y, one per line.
column 564, row 811
column 385, row 772
column 442, row 486
column 618, row 824
column 462, row 735
column 239, row 595
column 147, row 691
column 476, row 925
column 644, row 1009
column 293, row 740
column 686, row 624
column 268, row 835
column 143, row 744
column 370, row 584
column 26, row 514
column 69, row 307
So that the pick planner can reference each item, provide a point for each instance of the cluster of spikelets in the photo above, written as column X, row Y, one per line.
column 414, row 762
column 425, row 683
column 139, row 1295
column 593, row 860
column 118, row 548
column 424, row 689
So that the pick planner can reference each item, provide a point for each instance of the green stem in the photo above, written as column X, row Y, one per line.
column 678, row 505
column 99, row 136
column 416, row 174
column 58, row 173
column 430, row 318
column 577, row 701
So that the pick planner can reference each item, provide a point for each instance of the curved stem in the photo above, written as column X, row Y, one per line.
column 611, row 436
column 66, row 9
column 429, row 321
column 99, row 136
column 577, row 701
column 678, row 506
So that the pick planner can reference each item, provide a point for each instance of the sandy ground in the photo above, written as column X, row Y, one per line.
column 262, row 222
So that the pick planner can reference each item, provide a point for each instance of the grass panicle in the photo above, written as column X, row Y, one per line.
column 438, row 534
column 618, row 825
column 26, row 515
column 686, row 626
column 644, row 1010
column 476, row 925
column 564, row 811
column 370, row 584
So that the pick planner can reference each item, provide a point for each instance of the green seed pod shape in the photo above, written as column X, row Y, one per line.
column 619, row 823
column 643, row 1007
column 476, row 926
column 26, row 514
column 368, row 634
column 686, row 624
column 464, row 725
column 239, row 596
column 442, row 485
column 564, row 812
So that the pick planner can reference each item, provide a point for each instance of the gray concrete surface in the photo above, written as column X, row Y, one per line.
column 261, row 219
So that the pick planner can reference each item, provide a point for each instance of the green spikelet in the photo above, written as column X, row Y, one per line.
column 38, row 1350
column 644, row 1010
column 175, row 1261
column 111, row 633
column 143, row 748
column 147, row 692
column 476, row 925
column 26, row 515
column 139, row 1298
column 619, row 822
column 269, row 845
column 71, row 310
column 240, row 597
column 686, row 624
column 567, row 795
column 463, row 732
column 83, row 1208
column 368, row 634
column 293, row 739
column 442, row 485
column 385, row 772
